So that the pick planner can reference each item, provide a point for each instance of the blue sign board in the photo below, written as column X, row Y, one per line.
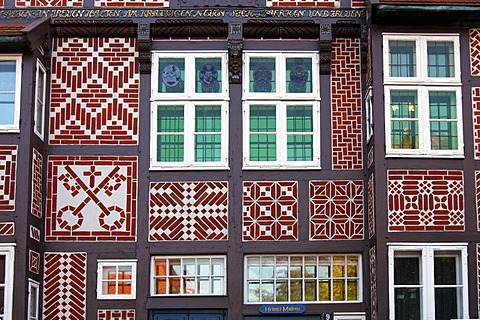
column 282, row 309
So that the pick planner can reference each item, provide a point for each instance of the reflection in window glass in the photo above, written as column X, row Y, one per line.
column 404, row 119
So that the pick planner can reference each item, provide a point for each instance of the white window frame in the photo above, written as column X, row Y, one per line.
column 422, row 83
column 281, row 136
column 421, row 41
column 189, row 98
column 359, row 277
column 8, row 250
column 35, row 309
column 368, row 104
column 116, row 263
column 15, row 126
column 424, row 145
column 182, row 258
column 349, row 316
column 40, row 100
column 427, row 252
column 281, row 99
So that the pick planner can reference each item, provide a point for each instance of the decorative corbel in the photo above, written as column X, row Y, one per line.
column 325, row 48
column 235, row 49
column 144, row 47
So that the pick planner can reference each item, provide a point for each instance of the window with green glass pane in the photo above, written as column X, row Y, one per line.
column 171, row 75
column 170, row 133
column 299, row 75
column 299, row 133
column 402, row 58
column 440, row 56
column 404, row 119
column 208, row 127
column 208, row 75
column 263, row 136
column 443, row 120
column 262, row 75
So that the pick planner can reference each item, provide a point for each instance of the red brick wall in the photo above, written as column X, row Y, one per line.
column 37, row 189
column 302, row 3
column 8, row 172
column 116, row 314
column 49, row 3
column 475, row 51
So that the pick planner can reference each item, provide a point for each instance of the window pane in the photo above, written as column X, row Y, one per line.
column 170, row 119
column 253, row 265
column 203, row 267
column 352, row 290
column 281, row 268
column 218, row 266
column 160, row 267
column 441, row 62
column 300, row 147
column 171, row 75
column 338, row 290
column 402, row 58
column 109, row 272
column 262, row 75
column 296, row 290
column 267, row 291
column 189, row 267
column 352, row 266
column 296, row 266
column 282, row 291
column 446, row 304
column 263, row 146
column 407, row 303
column 7, row 108
column 445, row 270
column 254, row 292
column 208, row 146
column 324, row 267
column 267, row 267
column 217, row 285
column 7, row 76
column 324, row 290
column 404, row 115
column 338, row 267
column 208, row 74
column 407, row 271
column 443, row 122
column 170, row 147
column 310, row 290
column 299, row 75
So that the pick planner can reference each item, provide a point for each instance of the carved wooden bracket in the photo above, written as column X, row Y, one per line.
column 235, row 49
column 144, row 47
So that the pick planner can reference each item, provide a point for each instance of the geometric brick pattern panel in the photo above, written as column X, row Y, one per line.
column 187, row 211
column 476, row 121
column 477, row 182
column 35, row 233
column 475, row 51
column 49, row 3
column 370, row 157
column 130, row 3
column 302, row 3
column 358, row 3
column 8, row 172
column 7, row 229
column 346, row 106
column 270, row 211
column 91, row 198
column 34, row 261
column 425, row 200
column 117, row 314
column 336, row 210
column 64, row 291
column 478, row 275
column 371, row 206
column 95, row 91
column 37, row 189
column 373, row 283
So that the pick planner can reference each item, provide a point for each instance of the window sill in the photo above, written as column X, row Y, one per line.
column 426, row 156
column 267, row 167
column 189, row 168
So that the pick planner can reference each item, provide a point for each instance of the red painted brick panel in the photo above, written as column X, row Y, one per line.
column 95, row 91
column 336, row 210
column 132, row 3
column 33, row 261
column 49, row 3
column 475, row 51
column 426, row 200
column 270, row 211
column 7, row 229
column 188, row 211
column 8, row 174
column 37, row 189
column 302, row 3
column 373, row 283
column 476, row 121
column 358, row 4
column 116, row 314
column 371, row 206
column 91, row 198
column 35, row 233
column 346, row 105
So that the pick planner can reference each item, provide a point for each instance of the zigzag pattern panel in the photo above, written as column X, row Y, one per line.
column 373, row 283
column 7, row 229
column 116, row 314
column 188, row 211
column 49, row 3
column 346, row 86
column 95, row 91
column 64, row 291
column 336, row 210
column 302, row 3
column 270, row 211
column 132, row 3
column 475, row 51
column 91, row 198
column 476, row 121
column 371, row 206
column 425, row 200
column 8, row 174
column 37, row 189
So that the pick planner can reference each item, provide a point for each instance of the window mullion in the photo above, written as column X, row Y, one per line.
column 428, row 290
column 281, row 132
column 424, row 120
column 189, row 133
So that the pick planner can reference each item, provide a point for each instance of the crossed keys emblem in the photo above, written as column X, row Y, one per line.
column 108, row 185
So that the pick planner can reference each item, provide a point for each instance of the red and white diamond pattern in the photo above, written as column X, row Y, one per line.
column 425, row 200
column 116, row 314
column 270, row 211
column 37, row 190
column 64, row 291
column 49, row 3
column 373, row 283
column 34, row 261
column 371, row 206
column 302, row 3
column 475, row 51
column 95, row 91
column 132, row 3
column 8, row 172
column 188, row 211
column 336, row 210
column 91, row 198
